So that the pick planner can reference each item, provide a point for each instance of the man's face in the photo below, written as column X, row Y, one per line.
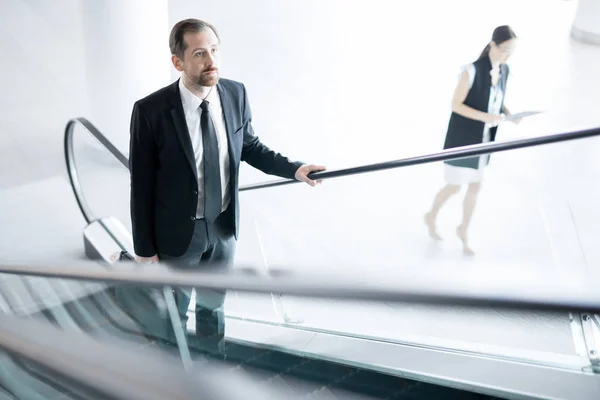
column 201, row 58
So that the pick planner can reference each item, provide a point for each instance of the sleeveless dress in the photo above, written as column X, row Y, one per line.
column 454, row 175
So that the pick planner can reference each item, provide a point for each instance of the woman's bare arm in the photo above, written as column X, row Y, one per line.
column 459, row 106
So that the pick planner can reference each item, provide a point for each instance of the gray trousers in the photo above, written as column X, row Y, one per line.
column 212, row 248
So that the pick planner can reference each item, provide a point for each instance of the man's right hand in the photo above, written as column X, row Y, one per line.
column 146, row 260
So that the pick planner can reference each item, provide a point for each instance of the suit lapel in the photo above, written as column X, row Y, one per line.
column 181, row 128
column 227, row 107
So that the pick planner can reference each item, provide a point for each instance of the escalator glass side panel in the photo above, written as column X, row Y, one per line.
column 137, row 317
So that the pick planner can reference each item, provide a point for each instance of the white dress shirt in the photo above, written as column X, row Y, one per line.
column 191, row 108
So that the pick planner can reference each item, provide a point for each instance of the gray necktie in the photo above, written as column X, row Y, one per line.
column 212, row 171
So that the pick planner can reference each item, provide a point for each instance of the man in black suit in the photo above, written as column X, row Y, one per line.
column 187, row 141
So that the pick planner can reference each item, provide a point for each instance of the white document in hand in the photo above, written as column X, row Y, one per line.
column 521, row 115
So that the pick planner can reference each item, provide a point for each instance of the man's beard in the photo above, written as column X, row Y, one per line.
column 206, row 80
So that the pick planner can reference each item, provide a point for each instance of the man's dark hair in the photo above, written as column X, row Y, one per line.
column 191, row 25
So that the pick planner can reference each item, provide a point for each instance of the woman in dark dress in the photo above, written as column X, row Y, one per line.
column 477, row 109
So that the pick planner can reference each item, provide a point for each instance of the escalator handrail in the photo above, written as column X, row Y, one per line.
column 550, row 290
column 70, row 160
column 446, row 155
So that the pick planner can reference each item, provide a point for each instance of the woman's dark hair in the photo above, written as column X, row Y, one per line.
column 501, row 34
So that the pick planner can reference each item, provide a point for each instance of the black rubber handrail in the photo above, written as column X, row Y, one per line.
column 450, row 154
column 70, row 160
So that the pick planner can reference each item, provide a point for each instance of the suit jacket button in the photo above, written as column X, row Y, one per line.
column 193, row 218
column 195, row 192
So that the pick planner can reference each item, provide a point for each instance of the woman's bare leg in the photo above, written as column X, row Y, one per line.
column 440, row 199
column 468, row 208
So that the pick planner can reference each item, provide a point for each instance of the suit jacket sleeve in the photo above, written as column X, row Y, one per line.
column 260, row 156
column 142, row 166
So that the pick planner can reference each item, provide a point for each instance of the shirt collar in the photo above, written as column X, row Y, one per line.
column 190, row 101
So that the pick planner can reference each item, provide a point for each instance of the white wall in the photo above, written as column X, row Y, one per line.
column 127, row 57
column 71, row 58
column 42, row 75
